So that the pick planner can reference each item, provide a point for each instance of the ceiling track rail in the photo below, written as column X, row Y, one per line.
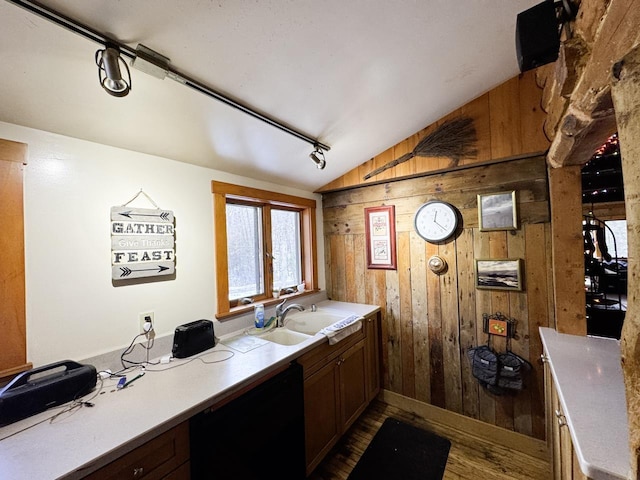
column 125, row 50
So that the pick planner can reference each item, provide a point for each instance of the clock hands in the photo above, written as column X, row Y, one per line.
column 435, row 216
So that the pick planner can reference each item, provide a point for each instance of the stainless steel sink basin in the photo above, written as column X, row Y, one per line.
column 310, row 323
column 284, row 336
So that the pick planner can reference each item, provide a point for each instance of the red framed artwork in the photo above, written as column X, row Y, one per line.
column 380, row 233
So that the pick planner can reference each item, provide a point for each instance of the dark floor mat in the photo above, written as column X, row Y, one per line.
column 402, row 451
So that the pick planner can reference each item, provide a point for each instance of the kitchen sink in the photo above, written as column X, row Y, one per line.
column 310, row 322
column 284, row 336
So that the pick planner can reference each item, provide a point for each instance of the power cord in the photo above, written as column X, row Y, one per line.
column 131, row 348
column 197, row 357
column 75, row 404
column 78, row 403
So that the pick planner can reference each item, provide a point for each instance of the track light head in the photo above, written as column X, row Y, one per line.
column 317, row 156
column 109, row 73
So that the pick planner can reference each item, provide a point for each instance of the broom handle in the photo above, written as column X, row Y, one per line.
column 389, row 165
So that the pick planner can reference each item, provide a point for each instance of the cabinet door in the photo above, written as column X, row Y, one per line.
column 13, row 357
column 565, row 461
column 183, row 472
column 353, row 397
column 372, row 355
column 555, row 434
column 552, row 429
column 321, row 413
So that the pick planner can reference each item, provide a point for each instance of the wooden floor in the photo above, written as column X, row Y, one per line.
column 469, row 458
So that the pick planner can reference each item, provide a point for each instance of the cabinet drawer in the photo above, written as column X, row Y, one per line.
column 152, row 461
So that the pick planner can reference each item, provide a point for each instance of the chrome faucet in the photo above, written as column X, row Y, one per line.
column 281, row 311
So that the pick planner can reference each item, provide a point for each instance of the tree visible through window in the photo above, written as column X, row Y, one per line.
column 245, row 245
column 286, row 248
column 263, row 240
column 247, row 252
column 619, row 238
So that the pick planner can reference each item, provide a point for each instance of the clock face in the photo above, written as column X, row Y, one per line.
column 436, row 221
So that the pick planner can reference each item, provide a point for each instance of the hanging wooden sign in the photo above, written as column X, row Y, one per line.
column 142, row 242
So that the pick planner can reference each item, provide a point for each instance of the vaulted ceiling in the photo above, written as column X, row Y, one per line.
column 358, row 75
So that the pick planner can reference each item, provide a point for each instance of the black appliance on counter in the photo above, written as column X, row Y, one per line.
column 258, row 435
column 36, row 390
column 192, row 338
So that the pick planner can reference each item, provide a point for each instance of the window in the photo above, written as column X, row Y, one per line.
column 263, row 240
column 286, row 248
column 618, row 241
column 244, row 251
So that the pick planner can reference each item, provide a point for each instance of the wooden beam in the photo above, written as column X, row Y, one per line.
column 626, row 97
column 579, row 121
column 567, row 245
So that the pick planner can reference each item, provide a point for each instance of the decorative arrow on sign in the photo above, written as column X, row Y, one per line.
column 164, row 215
column 126, row 271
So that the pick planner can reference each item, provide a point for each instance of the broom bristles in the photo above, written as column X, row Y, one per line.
column 455, row 139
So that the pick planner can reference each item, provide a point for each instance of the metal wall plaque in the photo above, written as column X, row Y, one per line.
column 142, row 242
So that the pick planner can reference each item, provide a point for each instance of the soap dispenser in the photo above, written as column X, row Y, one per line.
column 258, row 315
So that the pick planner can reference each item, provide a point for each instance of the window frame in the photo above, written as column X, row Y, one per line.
column 225, row 192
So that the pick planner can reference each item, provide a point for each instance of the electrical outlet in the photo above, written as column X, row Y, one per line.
column 144, row 318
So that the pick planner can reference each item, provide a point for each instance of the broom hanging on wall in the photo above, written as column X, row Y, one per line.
column 455, row 139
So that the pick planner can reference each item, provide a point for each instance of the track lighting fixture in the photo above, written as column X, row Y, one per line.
column 146, row 60
column 109, row 74
column 318, row 157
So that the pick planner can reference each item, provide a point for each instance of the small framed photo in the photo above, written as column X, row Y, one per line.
column 499, row 274
column 497, row 327
column 380, row 233
column 497, row 211
column 498, row 324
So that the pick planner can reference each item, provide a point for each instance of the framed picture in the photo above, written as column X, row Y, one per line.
column 380, row 233
column 499, row 274
column 498, row 324
column 497, row 211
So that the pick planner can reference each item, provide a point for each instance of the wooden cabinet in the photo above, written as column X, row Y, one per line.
column 165, row 457
column 13, row 355
column 563, row 457
column 339, row 382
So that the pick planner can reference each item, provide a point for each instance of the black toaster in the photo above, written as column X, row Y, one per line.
column 193, row 337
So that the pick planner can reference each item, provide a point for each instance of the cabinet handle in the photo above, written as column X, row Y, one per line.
column 562, row 420
column 138, row 472
column 340, row 361
column 544, row 358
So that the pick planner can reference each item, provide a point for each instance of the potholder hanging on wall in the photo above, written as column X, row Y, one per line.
column 511, row 371
column 498, row 373
column 484, row 364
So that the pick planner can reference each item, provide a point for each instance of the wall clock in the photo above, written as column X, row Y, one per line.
column 436, row 221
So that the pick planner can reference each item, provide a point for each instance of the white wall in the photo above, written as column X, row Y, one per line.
column 73, row 310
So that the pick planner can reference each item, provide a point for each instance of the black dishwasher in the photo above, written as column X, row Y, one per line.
column 258, row 435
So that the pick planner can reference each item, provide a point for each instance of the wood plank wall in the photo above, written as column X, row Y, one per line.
column 508, row 122
column 430, row 321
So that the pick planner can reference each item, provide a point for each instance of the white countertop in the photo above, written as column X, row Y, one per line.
column 588, row 377
column 75, row 444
